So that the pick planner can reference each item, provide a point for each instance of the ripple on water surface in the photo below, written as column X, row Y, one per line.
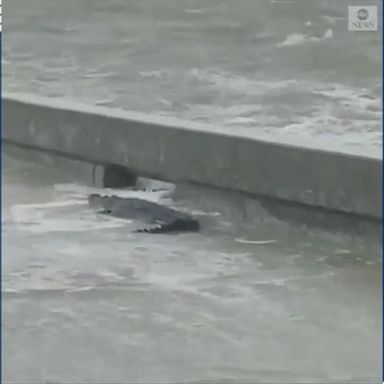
column 236, row 301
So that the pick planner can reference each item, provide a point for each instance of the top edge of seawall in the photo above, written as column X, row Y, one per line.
column 320, row 145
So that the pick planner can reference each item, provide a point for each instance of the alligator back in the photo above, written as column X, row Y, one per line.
column 163, row 218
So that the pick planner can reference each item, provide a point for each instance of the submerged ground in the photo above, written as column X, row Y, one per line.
column 85, row 300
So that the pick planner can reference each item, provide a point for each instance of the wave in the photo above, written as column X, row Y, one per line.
column 299, row 39
column 254, row 107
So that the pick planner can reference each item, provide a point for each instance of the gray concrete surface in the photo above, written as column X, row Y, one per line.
column 174, row 150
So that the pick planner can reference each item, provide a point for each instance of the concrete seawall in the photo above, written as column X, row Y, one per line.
column 177, row 151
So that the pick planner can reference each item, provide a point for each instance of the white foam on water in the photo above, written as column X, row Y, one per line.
column 48, row 205
column 223, row 80
column 331, row 112
column 49, row 217
column 257, row 242
column 77, row 190
column 299, row 39
column 57, row 225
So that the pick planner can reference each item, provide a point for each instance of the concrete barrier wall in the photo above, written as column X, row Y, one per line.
column 177, row 151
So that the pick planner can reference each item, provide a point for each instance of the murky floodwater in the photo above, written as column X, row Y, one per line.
column 286, row 68
column 87, row 301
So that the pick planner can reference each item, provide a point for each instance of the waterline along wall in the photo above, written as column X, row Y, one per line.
column 177, row 151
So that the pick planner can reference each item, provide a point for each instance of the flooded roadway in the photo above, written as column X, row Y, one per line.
column 87, row 301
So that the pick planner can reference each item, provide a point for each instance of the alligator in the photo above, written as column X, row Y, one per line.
column 162, row 219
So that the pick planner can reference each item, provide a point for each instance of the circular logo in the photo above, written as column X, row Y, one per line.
column 362, row 14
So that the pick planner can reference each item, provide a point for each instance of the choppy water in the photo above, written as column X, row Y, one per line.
column 286, row 68
column 86, row 301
